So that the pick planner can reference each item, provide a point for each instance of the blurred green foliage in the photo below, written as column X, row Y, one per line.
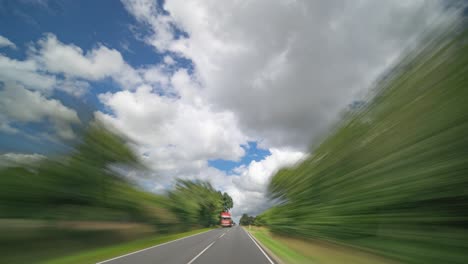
column 393, row 176
column 74, row 201
column 80, row 185
column 246, row 220
column 227, row 202
column 198, row 203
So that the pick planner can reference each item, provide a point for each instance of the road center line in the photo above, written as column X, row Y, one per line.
column 271, row 261
column 199, row 254
column 221, row 235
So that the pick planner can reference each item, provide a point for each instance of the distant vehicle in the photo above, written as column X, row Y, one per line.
column 226, row 220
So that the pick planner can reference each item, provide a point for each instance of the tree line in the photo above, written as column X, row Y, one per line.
column 251, row 220
column 81, row 185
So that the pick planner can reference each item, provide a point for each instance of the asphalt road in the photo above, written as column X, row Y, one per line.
column 224, row 245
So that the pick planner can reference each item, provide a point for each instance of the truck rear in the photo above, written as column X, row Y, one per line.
column 226, row 220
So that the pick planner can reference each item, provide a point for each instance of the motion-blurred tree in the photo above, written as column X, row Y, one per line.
column 227, row 202
column 247, row 220
column 197, row 202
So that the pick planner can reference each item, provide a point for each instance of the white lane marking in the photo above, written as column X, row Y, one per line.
column 271, row 261
column 221, row 235
column 199, row 254
column 152, row 247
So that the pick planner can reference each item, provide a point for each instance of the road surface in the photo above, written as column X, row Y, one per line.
column 223, row 245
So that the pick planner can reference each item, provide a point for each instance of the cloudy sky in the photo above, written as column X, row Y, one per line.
column 227, row 91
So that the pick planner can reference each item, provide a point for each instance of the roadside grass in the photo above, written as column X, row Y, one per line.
column 279, row 249
column 298, row 251
column 102, row 254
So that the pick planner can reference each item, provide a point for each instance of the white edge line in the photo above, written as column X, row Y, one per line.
column 271, row 261
column 199, row 254
column 131, row 253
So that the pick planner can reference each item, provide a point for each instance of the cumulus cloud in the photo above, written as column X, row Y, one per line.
column 161, row 26
column 256, row 175
column 70, row 60
column 28, row 84
column 73, row 87
column 174, row 135
column 26, row 72
column 95, row 64
column 288, row 71
column 169, row 60
column 18, row 104
column 4, row 42
column 250, row 183
column 51, row 64
column 156, row 75
column 128, row 77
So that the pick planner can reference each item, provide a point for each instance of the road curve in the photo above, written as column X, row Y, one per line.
column 223, row 245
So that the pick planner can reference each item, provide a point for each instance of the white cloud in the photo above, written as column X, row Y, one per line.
column 18, row 104
column 144, row 11
column 169, row 60
column 25, row 72
column 156, row 75
column 289, row 70
column 14, row 159
column 38, row 71
column 93, row 65
column 249, row 187
column 127, row 77
column 70, row 60
column 52, row 65
column 73, row 87
column 257, row 174
column 4, row 42
column 174, row 135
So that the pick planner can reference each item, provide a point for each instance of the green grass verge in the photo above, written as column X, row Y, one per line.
column 286, row 254
column 298, row 251
column 101, row 254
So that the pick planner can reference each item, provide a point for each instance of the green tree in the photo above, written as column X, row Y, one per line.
column 197, row 202
column 247, row 220
column 227, row 202
column 80, row 178
column 244, row 220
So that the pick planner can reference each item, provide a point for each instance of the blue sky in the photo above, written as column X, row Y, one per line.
column 252, row 153
column 85, row 24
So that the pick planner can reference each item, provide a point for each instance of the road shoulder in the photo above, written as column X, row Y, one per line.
column 269, row 252
column 298, row 251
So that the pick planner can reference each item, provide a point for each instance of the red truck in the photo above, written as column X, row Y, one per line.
column 226, row 220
